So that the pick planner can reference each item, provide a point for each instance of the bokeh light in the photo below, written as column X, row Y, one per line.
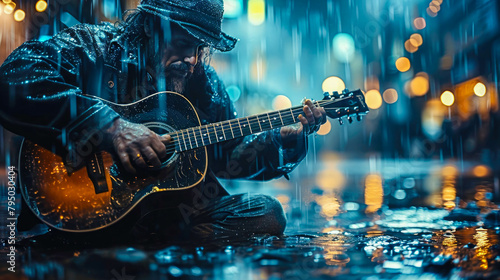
column 232, row 8
column 234, row 92
column 434, row 8
column 19, row 15
column 330, row 179
column 419, row 86
column 330, row 205
column 325, row 128
column 436, row 2
column 480, row 89
column 409, row 47
column 373, row 99
column 449, row 190
column 390, row 96
column 432, row 118
column 481, row 171
column 7, row 1
column 281, row 102
column 407, row 88
column 9, row 8
column 41, row 6
column 419, row 23
column 447, row 98
column 333, row 83
column 430, row 12
column 256, row 12
column 449, row 170
column 403, row 64
column 343, row 47
column 374, row 193
column 416, row 40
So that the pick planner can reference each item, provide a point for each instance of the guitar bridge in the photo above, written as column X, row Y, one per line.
column 97, row 173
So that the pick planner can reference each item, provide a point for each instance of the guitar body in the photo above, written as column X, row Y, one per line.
column 69, row 200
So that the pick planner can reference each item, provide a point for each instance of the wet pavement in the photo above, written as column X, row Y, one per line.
column 411, row 243
column 364, row 228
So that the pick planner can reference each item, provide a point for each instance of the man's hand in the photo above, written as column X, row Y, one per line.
column 314, row 117
column 135, row 144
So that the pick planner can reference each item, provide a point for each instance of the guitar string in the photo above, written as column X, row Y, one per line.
column 191, row 138
column 188, row 140
column 272, row 115
column 192, row 142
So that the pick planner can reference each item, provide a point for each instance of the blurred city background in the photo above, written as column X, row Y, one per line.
column 428, row 69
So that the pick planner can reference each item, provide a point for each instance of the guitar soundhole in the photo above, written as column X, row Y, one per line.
column 161, row 128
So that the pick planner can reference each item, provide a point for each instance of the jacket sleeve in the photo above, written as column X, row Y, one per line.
column 257, row 157
column 40, row 87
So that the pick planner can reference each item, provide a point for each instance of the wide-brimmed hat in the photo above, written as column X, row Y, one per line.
column 200, row 18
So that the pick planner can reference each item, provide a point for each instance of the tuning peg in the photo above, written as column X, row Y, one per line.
column 358, row 117
column 326, row 95
column 341, row 122
column 345, row 91
column 336, row 94
column 349, row 119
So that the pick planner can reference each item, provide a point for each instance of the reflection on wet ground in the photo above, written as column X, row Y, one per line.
column 404, row 243
column 351, row 220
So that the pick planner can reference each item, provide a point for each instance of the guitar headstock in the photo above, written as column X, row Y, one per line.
column 347, row 104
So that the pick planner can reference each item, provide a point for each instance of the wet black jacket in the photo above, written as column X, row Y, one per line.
column 46, row 90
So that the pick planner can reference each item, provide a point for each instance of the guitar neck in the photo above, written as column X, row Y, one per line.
column 200, row 136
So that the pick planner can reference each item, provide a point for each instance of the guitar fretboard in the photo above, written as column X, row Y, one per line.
column 200, row 136
column 195, row 137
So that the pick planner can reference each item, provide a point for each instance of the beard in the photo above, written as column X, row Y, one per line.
column 176, row 84
column 176, row 77
column 172, row 78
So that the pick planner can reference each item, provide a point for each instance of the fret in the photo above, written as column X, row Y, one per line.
column 176, row 142
column 189, row 138
column 215, row 131
column 183, row 139
column 195, row 138
column 217, row 137
column 270, row 122
column 223, row 133
column 208, row 134
column 274, row 120
column 258, row 121
column 241, row 130
column 255, row 124
column 265, row 122
column 201, row 134
column 281, row 118
column 249, row 126
column 231, row 128
column 291, row 112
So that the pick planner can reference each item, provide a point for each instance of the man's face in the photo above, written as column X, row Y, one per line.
column 172, row 54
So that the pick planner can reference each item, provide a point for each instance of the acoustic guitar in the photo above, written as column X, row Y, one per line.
column 100, row 192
